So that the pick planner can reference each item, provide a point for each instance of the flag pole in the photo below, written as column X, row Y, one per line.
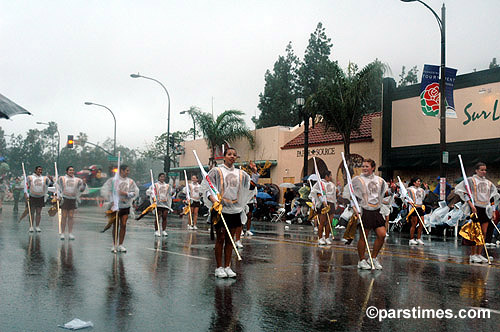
column 59, row 217
column 188, row 198
column 216, row 192
column 27, row 195
column 357, row 209
column 155, row 200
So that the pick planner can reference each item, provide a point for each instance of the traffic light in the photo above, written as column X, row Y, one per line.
column 69, row 143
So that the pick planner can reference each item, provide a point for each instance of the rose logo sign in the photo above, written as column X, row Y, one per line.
column 429, row 99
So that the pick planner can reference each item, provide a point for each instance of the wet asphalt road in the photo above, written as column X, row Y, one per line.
column 285, row 281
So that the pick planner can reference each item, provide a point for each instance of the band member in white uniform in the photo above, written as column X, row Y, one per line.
column 70, row 188
column 127, row 191
column 163, row 193
column 417, row 194
column 233, row 185
column 194, row 193
column 38, row 186
column 370, row 190
column 321, row 203
column 483, row 191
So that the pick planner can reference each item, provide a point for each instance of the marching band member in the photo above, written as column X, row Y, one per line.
column 325, row 207
column 38, row 186
column 163, row 193
column 70, row 188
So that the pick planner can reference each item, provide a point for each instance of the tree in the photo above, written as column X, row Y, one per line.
column 158, row 148
column 343, row 99
column 276, row 103
column 408, row 78
column 227, row 127
column 493, row 63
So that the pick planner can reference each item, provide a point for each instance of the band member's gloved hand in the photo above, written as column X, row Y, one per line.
column 325, row 210
column 130, row 194
column 217, row 206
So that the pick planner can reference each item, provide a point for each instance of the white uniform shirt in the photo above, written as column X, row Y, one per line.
column 70, row 186
column 370, row 190
column 38, row 185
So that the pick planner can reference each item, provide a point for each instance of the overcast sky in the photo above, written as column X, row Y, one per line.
column 55, row 55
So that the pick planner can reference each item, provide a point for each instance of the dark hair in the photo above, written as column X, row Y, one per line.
column 325, row 173
column 37, row 167
column 67, row 168
column 371, row 161
column 413, row 180
column 123, row 167
column 229, row 148
column 478, row 165
column 159, row 175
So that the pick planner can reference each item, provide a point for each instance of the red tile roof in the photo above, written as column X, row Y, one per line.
column 318, row 136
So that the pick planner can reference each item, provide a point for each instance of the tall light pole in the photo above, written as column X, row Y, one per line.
column 300, row 103
column 443, row 158
column 166, row 162
column 58, row 138
column 114, row 118
column 194, row 123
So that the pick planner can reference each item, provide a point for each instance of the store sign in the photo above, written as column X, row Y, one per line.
column 483, row 115
column 317, row 152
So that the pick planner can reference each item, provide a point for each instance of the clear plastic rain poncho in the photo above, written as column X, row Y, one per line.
column 70, row 187
column 163, row 194
column 127, row 191
column 38, row 185
column 483, row 190
column 330, row 193
column 370, row 190
column 234, row 186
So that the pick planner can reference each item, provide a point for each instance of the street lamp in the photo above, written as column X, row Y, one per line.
column 194, row 123
column 166, row 162
column 114, row 140
column 58, row 138
column 442, row 108
column 300, row 103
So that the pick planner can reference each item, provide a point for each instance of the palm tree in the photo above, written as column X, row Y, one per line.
column 343, row 99
column 227, row 127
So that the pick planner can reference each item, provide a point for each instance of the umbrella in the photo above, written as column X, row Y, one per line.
column 312, row 177
column 273, row 203
column 263, row 195
column 287, row 185
column 8, row 108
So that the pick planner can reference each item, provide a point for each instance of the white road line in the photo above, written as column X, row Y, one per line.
column 176, row 253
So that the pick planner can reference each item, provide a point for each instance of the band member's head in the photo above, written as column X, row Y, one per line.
column 327, row 175
column 38, row 170
column 124, row 170
column 416, row 182
column 230, row 156
column 70, row 171
column 194, row 178
column 480, row 169
column 162, row 177
column 368, row 166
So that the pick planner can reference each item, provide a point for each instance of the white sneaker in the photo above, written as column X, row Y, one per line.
column 413, row 242
column 31, row 230
column 386, row 234
column 328, row 241
column 62, row 236
column 195, row 227
column 239, row 244
column 164, row 233
column 71, row 236
column 248, row 233
column 482, row 258
column 419, row 241
column 190, row 227
column 242, row 233
column 38, row 229
column 322, row 241
column 230, row 273
column 113, row 249
column 474, row 259
column 157, row 233
column 315, row 229
column 220, row 272
column 122, row 248
column 377, row 264
column 363, row 265
column 289, row 222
